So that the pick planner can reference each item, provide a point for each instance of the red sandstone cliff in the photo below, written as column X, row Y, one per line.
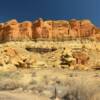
column 49, row 29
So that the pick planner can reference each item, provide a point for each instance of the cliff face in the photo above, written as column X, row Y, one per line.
column 52, row 30
column 62, row 29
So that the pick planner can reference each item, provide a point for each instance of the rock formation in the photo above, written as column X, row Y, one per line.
column 10, row 30
column 48, row 29
column 25, row 30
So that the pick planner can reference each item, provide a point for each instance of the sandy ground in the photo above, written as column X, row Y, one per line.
column 20, row 96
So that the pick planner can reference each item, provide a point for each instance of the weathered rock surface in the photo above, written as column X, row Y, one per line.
column 25, row 30
column 48, row 29
column 49, row 54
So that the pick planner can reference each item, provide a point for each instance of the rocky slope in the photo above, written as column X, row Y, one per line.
column 48, row 29
column 48, row 54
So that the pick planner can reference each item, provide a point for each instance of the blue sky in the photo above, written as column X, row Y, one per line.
column 50, row 9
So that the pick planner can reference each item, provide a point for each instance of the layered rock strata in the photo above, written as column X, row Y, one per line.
column 48, row 29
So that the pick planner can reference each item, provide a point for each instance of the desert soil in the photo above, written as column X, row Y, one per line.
column 40, row 84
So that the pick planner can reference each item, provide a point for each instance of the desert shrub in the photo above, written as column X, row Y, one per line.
column 81, row 90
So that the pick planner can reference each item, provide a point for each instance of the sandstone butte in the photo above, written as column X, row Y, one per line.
column 48, row 29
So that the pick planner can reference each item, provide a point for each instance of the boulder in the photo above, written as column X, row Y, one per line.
column 81, row 57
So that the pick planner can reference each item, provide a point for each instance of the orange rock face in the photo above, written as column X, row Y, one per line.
column 97, row 35
column 74, row 28
column 1, row 31
column 10, row 31
column 25, row 29
column 62, row 29
column 50, row 29
column 86, row 28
